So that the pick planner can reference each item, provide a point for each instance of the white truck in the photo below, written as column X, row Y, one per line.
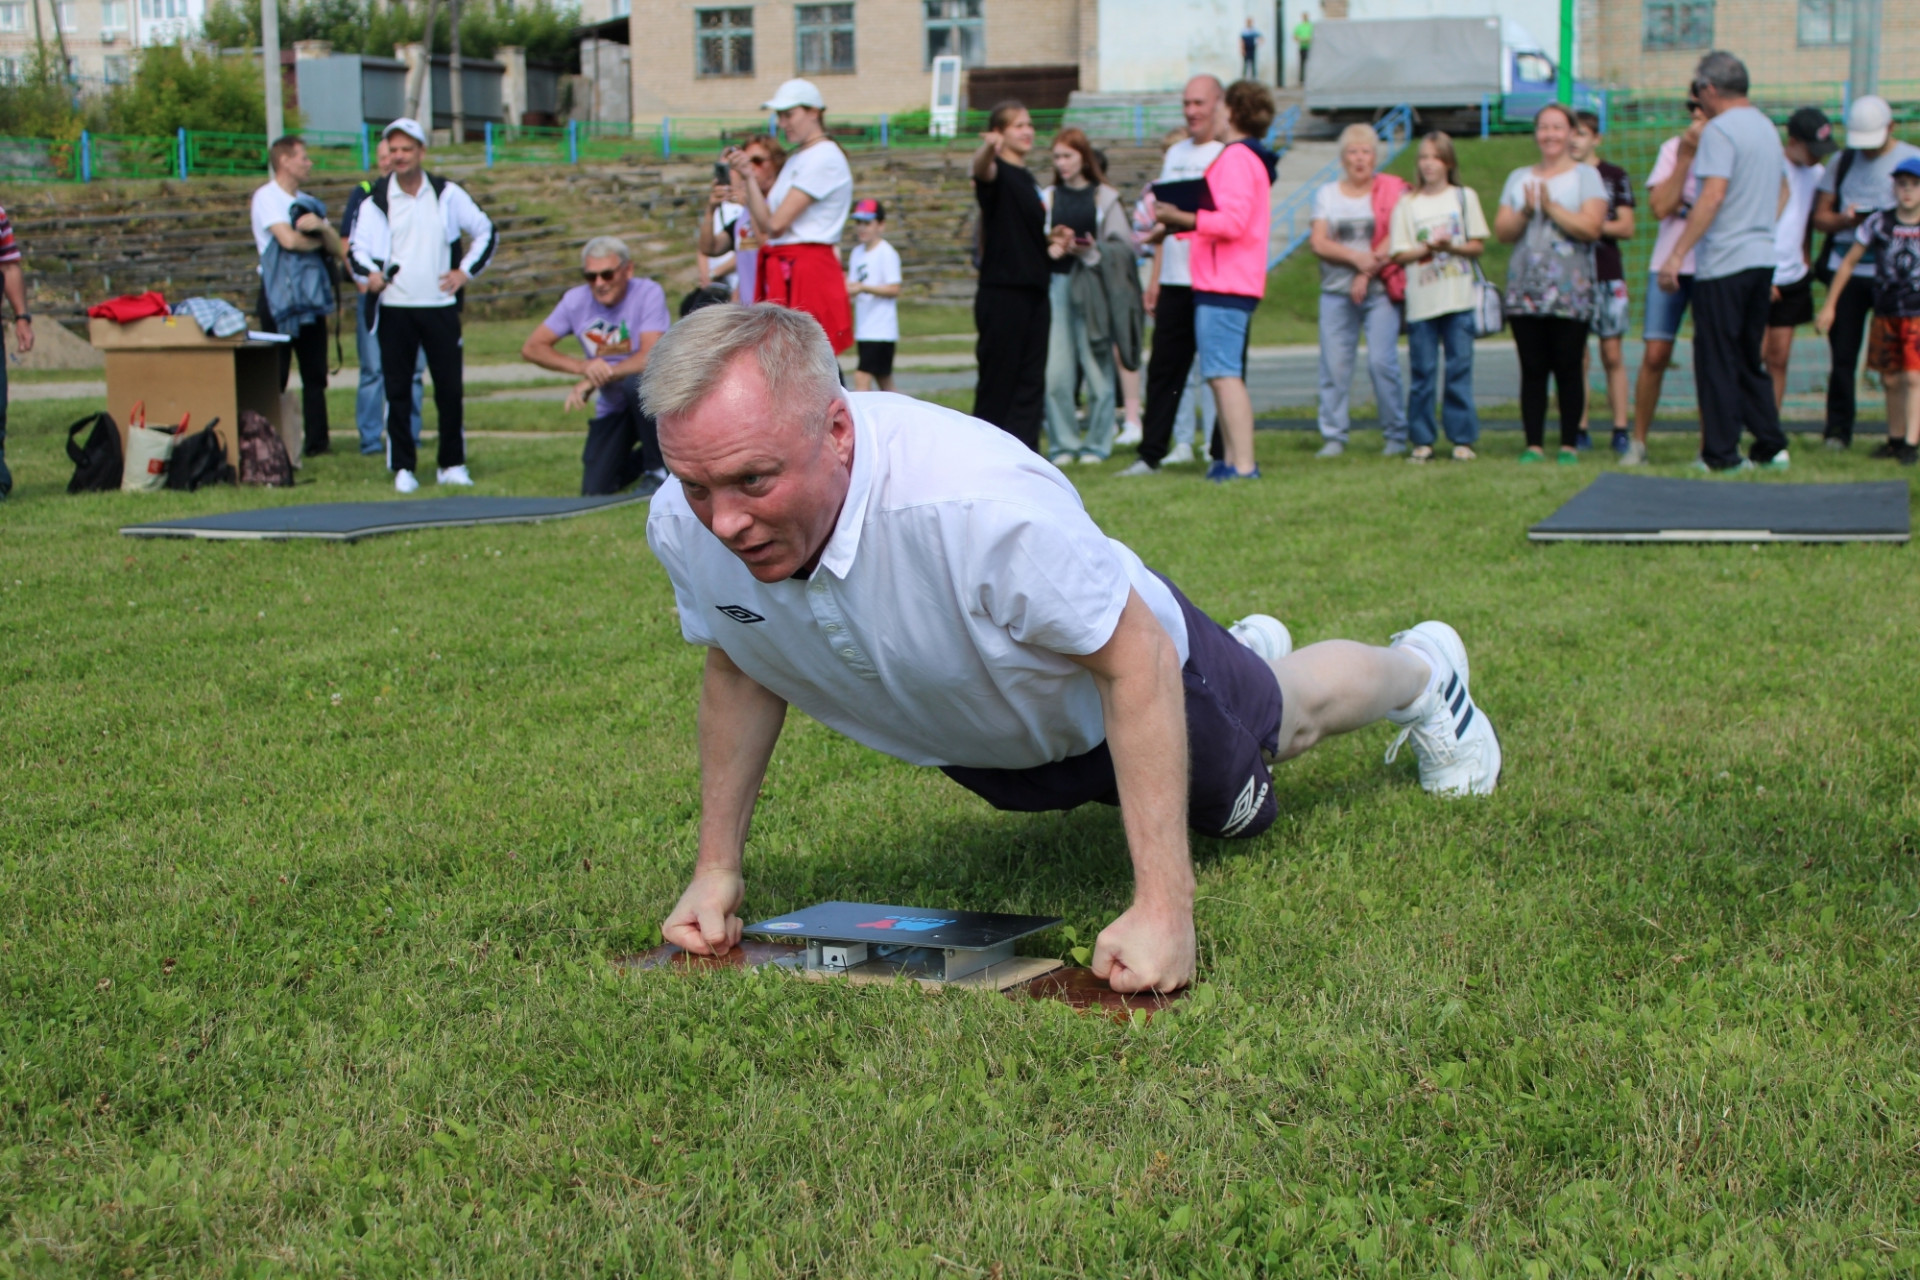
column 1444, row 68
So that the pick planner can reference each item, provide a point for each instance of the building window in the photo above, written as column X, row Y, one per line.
column 956, row 27
column 826, row 37
column 10, row 70
column 620, row 9
column 119, row 68
column 160, row 10
column 1679, row 24
column 723, row 41
column 1826, row 21
column 13, row 17
column 113, row 15
column 66, row 14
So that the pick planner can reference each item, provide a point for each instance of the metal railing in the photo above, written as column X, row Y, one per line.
column 1293, row 217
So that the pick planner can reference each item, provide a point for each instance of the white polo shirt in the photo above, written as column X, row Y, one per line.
column 962, row 568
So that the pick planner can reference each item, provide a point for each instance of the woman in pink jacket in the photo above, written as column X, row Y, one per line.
column 1230, row 266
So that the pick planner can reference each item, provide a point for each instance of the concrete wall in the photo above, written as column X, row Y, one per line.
column 1152, row 46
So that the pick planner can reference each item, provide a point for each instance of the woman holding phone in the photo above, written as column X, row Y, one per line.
column 1080, row 202
column 799, row 219
column 729, row 248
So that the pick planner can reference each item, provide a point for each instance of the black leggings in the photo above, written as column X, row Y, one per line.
column 1011, row 356
column 310, row 346
column 1551, row 346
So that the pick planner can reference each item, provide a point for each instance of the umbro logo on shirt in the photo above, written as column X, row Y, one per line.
column 739, row 613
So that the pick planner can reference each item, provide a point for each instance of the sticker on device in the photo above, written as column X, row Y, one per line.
column 907, row 924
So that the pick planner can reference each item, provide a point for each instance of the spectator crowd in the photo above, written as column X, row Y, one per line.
column 1072, row 272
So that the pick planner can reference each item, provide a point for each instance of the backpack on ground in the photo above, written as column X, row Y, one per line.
column 200, row 458
column 263, row 458
column 97, row 464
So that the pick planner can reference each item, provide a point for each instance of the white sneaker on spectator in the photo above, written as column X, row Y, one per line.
column 1062, row 459
column 1265, row 634
column 1458, row 751
column 1394, row 448
column 1139, row 468
column 1636, row 454
column 454, row 475
column 1331, row 449
column 1182, row 452
column 403, row 481
column 1129, row 434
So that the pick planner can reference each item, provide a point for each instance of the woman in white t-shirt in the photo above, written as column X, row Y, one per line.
column 1551, row 212
column 799, row 221
column 1360, row 291
column 1438, row 234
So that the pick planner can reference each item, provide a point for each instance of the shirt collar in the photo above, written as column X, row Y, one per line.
column 837, row 558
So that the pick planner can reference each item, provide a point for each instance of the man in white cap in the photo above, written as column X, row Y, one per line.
column 402, row 243
column 1858, row 181
column 799, row 221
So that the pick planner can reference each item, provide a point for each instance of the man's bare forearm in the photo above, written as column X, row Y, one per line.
column 740, row 722
column 1144, row 704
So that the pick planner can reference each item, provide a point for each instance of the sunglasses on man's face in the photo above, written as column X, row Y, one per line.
column 600, row 277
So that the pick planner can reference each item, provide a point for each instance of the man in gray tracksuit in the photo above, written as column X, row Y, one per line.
column 403, row 244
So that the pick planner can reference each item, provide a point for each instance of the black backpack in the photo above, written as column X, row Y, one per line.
column 97, row 465
column 1823, row 269
column 200, row 458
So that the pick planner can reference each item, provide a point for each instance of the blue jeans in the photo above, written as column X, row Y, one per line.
column 1067, row 345
column 1341, row 323
column 370, row 402
column 1424, row 341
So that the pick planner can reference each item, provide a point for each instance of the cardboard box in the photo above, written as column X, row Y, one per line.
column 178, row 371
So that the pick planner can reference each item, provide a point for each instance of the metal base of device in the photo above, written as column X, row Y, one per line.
column 931, row 964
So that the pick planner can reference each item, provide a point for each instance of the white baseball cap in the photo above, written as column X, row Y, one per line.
column 795, row 93
column 408, row 126
column 1868, row 120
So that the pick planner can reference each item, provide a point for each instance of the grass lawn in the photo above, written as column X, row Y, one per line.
column 315, row 859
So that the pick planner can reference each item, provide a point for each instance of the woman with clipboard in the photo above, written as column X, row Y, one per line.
column 1230, row 226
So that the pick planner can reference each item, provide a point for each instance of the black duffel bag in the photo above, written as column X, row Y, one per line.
column 200, row 458
column 97, row 464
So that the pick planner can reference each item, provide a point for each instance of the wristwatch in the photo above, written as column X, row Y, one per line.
column 24, row 315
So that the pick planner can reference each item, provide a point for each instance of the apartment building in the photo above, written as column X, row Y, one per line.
column 1653, row 45
column 97, row 37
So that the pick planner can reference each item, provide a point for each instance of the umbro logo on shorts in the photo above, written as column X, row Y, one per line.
column 739, row 613
column 1246, row 806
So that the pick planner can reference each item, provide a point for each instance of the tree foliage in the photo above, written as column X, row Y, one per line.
column 357, row 26
column 171, row 90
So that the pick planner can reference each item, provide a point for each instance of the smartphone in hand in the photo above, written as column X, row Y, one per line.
column 723, row 173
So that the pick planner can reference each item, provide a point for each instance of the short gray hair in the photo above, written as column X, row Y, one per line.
column 791, row 348
column 1724, row 72
column 605, row 247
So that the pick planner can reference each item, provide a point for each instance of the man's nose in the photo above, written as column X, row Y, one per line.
column 730, row 518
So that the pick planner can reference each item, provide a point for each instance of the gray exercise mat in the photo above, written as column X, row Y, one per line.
column 349, row 521
column 1621, row 508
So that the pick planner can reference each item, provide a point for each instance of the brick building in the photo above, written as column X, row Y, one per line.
column 1652, row 45
column 100, row 37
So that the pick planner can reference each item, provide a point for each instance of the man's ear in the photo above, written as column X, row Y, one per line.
column 840, row 430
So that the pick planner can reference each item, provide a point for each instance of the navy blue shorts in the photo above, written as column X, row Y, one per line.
column 1233, row 716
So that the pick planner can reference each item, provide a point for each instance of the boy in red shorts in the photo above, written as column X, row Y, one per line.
column 1893, row 344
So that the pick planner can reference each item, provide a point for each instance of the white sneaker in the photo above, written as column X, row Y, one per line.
column 454, row 475
column 1458, row 750
column 1139, row 468
column 1061, row 459
column 1181, row 453
column 1265, row 634
column 1129, row 434
column 1331, row 449
column 403, row 482
column 1091, row 459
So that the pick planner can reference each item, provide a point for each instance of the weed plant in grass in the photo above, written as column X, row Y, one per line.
column 316, row 860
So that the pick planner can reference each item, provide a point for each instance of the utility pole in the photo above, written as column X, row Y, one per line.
column 1563, row 78
column 270, row 57
column 1863, row 70
column 455, row 91
column 424, row 89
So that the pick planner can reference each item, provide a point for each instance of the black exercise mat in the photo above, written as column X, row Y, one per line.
column 1621, row 508
column 349, row 521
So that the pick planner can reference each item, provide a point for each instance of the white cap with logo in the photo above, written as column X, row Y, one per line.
column 1869, row 119
column 795, row 93
column 408, row 126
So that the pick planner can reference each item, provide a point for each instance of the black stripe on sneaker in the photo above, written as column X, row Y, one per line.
column 1465, row 720
column 1452, row 684
column 1455, row 707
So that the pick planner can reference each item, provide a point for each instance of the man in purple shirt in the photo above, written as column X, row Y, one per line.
column 616, row 319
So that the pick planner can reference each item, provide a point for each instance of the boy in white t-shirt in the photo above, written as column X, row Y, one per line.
column 873, row 282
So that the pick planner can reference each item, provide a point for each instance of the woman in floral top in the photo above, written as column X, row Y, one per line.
column 1551, row 212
